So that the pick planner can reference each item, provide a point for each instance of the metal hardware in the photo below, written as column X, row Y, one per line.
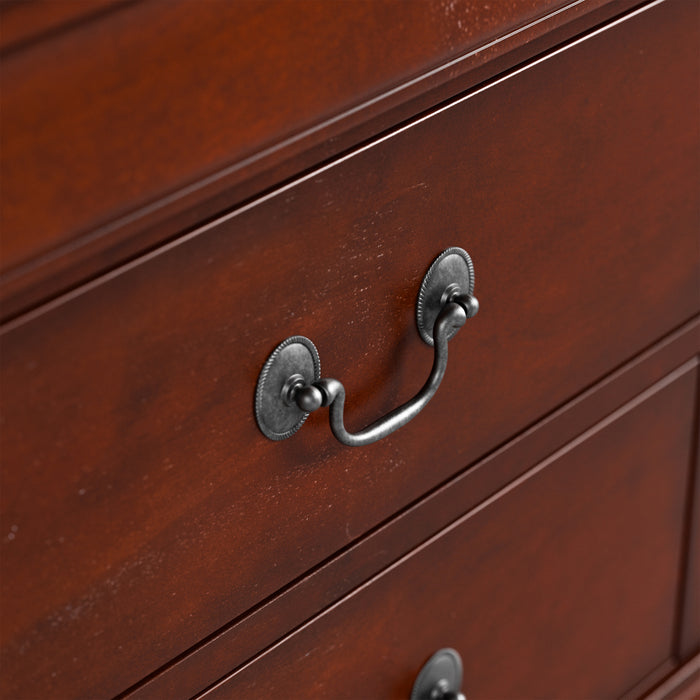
column 450, row 278
column 289, row 386
column 440, row 678
column 293, row 365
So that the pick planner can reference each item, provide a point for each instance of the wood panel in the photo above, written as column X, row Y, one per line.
column 571, row 599
column 171, row 92
column 94, row 172
column 149, row 511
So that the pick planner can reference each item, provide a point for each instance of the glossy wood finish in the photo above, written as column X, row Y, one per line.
column 152, row 512
column 519, row 580
column 105, row 157
column 305, row 598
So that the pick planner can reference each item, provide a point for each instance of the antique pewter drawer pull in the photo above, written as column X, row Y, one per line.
column 290, row 384
column 440, row 678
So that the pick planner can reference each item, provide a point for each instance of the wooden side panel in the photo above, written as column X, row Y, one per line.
column 689, row 641
column 561, row 586
column 142, row 509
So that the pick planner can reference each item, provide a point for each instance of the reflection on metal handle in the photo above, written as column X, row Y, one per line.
column 290, row 386
column 440, row 678
column 452, row 316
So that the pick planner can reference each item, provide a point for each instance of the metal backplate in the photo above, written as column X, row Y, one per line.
column 443, row 670
column 278, row 418
column 451, row 273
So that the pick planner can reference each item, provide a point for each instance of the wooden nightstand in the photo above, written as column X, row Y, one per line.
column 185, row 185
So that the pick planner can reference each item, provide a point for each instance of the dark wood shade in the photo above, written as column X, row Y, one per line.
column 187, row 184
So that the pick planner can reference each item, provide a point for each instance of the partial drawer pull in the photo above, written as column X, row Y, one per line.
column 290, row 385
column 440, row 678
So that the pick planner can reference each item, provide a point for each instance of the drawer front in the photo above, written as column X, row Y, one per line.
column 167, row 93
column 146, row 509
column 561, row 586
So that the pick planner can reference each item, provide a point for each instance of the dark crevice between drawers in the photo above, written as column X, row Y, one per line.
column 684, row 335
column 63, row 293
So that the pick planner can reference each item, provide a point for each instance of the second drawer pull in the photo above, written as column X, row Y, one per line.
column 290, row 385
column 440, row 678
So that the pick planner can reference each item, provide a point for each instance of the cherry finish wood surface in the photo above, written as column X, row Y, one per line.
column 569, row 574
column 116, row 138
column 165, row 76
column 305, row 598
column 143, row 510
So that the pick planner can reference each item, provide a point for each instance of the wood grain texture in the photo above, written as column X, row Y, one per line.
column 170, row 121
column 148, row 509
column 521, row 581
column 353, row 566
column 172, row 91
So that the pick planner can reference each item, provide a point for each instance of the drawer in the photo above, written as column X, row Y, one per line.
column 563, row 585
column 127, row 123
column 142, row 508
column 156, row 56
